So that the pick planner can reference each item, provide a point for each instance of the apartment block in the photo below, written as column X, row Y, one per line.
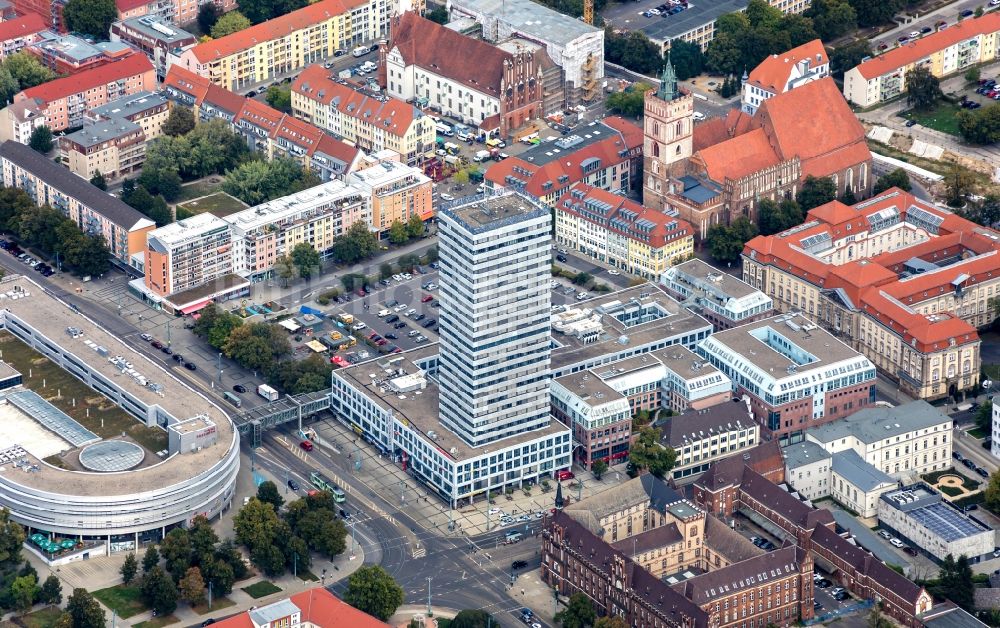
column 266, row 130
column 621, row 232
column 65, row 101
column 285, row 44
column 188, row 254
column 967, row 43
column 115, row 148
column 395, row 192
column 702, row 437
column 780, row 73
column 900, row 280
column 50, row 10
column 815, row 473
column 154, row 36
column 722, row 299
column 147, row 109
column 796, row 375
column 95, row 212
column 605, row 155
column 71, row 54
column 19, row 120
column 20, row 32
column 372, row 123
column 316, row 216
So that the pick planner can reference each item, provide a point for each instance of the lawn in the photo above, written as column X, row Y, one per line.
column 198, row 189
column 126, row 600
column 260, row 589
column 217, row 603
column 977, row 433
column 156, row 622
column 951, row 491
column 219, row 203
column 42, row 618
column 943, row 117
column 60, row 388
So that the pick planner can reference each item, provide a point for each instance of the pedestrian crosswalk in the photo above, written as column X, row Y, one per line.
column 420, row 552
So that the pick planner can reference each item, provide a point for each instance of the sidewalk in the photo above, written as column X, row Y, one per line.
column 532, row 592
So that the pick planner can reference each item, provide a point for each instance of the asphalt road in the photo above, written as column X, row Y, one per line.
column 948, row 14
column 465, row 573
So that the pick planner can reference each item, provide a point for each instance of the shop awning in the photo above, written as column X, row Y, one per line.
column 316, row 346
column 194, row 307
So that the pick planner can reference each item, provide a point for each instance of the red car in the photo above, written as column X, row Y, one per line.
column 565, row 474
column 427, row 298
column 307, row 445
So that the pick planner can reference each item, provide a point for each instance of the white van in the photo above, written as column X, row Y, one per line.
column 444, row 129
column 361, row 51
column 383, row 312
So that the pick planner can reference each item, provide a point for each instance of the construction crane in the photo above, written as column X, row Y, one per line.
column 588, row 11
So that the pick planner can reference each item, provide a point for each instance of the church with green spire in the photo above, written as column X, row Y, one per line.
column 668, row 136
column 668, row 82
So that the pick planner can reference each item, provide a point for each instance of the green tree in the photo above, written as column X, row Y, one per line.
column 357, row 244
column 279, row 97
column 922, row 88
column 27, row 70
column 129, row 568
column 980, row 126
column 897, row 178
column 306, row 259
column 472, row 619
column 831, row 19
column 815, row 192
column 687, row 58
column 231, row 22
column 398, row 233
column 725, row 243
column 51, row 592
column 192, row 587
column 92, row 17
column 40, row 228
column 775, row 217
column 845, row 57
column 176, row 551
column 23, row 591
column 262, row 10
column 461, row 177
column 180, row 121
column 579, row 612
column 41, row 139
column 284, row 268
column 800, row 28
column 984, row 416
column 648, row 453
column 992, row 492
column 630, row 102
column 415, row 226
column 220, row 575
column 386, row 270
column 99, row 182
column 371, row 590
column 85, row 611
column 269, row 559
column 876, row 619
column 599, row 468
column 11, row 538
column 256, row 524
column 582, row 278
column 431, row 255
column 610, row 622
column 208, row 15
column 632, row 49
column 972, row 75
column 268, row 493
column 875, row 12
column 203, row 540
column 256, row 181
column 439, row 15
column 159, row 591
column 958, row 184
column 150, row 559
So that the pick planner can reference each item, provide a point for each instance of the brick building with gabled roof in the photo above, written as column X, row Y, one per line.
column 20, row 32
column 313, row 608
column 460, row 76
column 902, row 281
column 716, row 171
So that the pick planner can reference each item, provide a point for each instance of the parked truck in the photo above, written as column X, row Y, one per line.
column 481, row 155
column 267, row 392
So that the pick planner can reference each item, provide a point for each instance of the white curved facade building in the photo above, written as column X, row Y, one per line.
column 196, row 477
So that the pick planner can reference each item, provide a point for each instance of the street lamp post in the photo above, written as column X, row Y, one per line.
column 220, row 367
column 429, row 596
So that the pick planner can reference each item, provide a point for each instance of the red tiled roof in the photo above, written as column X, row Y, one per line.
column 337, row 149
column 131, row 65
column 826, row 142
column 918, row 49
column 632, row 133
column 709, row 133
column 224, row 99
column 318, row 606
column 272, row 29
column 737, row 157
column 124, row 6
column 569, row 165
column 393, row 115
column 448, row 53
column 187, row 82
column 658, row 236
column 27, row 24
column 773, row 72
column 258, row 114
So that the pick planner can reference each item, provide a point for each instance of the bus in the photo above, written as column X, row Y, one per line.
column 233, row 399
column 323, row 483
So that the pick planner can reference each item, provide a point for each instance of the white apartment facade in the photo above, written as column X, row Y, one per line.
column 495, row 257
column 187, row 254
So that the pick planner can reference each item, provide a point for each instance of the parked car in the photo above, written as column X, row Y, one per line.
column 399, row 326
column 895, row 542
column 841, row 596
column 824, row 583
column 240, row 388
column 146, row 337
column 982, row 472
column 156, row 344
column 307, row 445
column 518, row 564
column 885, row 535
column 565, row 474
column 191, row 366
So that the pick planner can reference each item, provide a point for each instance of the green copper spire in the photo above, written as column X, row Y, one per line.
column 668, row 82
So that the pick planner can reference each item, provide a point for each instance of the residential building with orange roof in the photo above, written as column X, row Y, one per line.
column 779, row 73
column 711, row 177
column 603, row 154
column 314, row 608
column 968, row 43
column 460, row 76
column 902, row 281
column 20, row 32
column 372, row 123
column 265, row 129
column 285, row 44
column 620, row 232
column 65, row 101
